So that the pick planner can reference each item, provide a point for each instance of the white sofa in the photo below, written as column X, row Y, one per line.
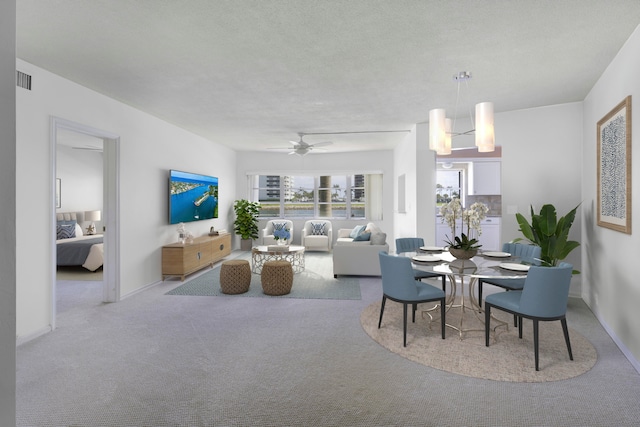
column 317, row 242
column 359, row 258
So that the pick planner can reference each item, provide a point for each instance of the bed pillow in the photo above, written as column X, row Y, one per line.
column 65, row 231
column 79, row 232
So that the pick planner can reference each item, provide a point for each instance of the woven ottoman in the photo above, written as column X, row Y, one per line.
column 277, row 277
column 235, row 276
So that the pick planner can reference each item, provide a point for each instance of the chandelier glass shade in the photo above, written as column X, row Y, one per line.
column 441, row 129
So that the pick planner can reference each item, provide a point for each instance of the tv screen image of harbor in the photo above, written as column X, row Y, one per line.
column 193, row 197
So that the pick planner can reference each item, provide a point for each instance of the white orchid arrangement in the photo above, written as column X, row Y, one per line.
column 470, row 217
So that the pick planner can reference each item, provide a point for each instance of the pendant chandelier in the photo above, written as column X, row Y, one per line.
column 442, row 129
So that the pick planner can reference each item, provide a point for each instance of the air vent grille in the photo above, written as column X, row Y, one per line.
column 23, row 80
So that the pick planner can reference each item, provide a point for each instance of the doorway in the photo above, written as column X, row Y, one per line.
column 92, row 139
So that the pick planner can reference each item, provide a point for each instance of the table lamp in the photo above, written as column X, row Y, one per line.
column 92, row 216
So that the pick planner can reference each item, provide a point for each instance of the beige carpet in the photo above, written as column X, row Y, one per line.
column 506, row 359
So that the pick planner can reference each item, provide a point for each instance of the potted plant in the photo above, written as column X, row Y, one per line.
column 246, row 223
column 463, row 246
column 550, row 233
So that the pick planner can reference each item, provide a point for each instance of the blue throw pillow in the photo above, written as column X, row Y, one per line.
column 362, row 237
column 317, row 229
column 357, row 230
column 65, row 231
column 279, row 226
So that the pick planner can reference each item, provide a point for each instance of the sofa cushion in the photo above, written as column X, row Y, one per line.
column 279, row 226
column 378, row 238
column 317, row 228
column 357, row 230
column 362, row 237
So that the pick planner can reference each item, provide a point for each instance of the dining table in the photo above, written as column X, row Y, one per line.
column 463, row 275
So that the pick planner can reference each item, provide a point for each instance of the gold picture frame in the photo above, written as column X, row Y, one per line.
column 614, row 168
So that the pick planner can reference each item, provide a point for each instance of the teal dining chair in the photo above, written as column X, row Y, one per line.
column 544, row 297
column 400, row 285
column 413, row 244
column 528, row 254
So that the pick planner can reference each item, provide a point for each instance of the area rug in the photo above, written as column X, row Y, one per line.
column 508, row 358
column 315, row 282
column 78, row 273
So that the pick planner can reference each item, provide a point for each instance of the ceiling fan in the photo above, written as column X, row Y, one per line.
column 302, row 148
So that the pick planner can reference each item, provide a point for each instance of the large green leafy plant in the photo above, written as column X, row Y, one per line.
column 246, row 223
column 550, row 233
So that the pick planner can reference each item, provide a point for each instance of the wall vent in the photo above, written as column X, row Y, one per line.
column 23, row 80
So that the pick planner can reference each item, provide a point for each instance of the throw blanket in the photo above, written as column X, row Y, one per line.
column 75, row 252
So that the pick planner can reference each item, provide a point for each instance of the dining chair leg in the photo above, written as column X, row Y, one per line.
column 442, row 316
column 404, row 322
column 444, row 284
column 520, row 327
column 384, row 300
column 413, row 314
column 480, row 294
column 565, row 329
column 535, row 342
column 487, row 321
column 515, row 320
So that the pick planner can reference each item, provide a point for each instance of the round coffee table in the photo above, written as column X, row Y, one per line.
column 292, row 253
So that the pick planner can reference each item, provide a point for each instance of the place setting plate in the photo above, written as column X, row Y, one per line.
column 431, row 248
column 491, row 254
column 514, row 267
column 426, row 258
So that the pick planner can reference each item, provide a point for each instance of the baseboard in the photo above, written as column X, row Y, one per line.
column 623, row 348
column 26, row 338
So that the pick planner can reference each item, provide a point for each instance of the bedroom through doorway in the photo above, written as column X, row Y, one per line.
column 84, row 187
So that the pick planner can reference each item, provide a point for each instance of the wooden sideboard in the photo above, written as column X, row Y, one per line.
column 181, row 259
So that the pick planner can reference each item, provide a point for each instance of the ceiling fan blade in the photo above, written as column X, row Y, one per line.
column 322, row 144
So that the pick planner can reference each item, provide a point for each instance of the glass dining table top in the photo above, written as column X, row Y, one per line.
column 489, row 265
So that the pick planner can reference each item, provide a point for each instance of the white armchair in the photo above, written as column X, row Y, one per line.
column 267, row 232
column 317, row 235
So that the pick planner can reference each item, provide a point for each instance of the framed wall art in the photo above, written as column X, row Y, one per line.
column 614, row 168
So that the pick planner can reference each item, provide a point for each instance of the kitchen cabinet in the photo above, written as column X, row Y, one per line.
column 490, row 238
column 485, row 178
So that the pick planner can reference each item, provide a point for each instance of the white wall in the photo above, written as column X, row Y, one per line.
column 314, row 164
column 81, row 175
column 405, row 162
column 541, row 164
column 8, row 214
column 149, row 147
column 611, row 287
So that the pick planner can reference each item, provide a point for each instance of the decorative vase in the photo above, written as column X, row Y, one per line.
column 281, row 242
column 463, row 253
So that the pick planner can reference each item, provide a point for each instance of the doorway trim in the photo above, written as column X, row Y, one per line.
column 111, row 207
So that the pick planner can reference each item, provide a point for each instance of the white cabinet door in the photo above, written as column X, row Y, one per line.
column 490, row 238
column 485, row 179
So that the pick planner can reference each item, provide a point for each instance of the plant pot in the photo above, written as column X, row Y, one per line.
column 463, row 253
column 246, row 244
column 281, row 242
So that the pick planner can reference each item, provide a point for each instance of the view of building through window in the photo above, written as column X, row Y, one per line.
column 300, row 196
column 448, row 185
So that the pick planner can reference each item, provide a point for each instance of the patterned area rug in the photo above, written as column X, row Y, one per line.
column 315, row 282
column 508, row 358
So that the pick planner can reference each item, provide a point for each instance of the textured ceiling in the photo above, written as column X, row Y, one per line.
column 251, row 74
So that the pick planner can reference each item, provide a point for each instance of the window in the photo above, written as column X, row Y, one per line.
column 448, row 185
column 306, row 196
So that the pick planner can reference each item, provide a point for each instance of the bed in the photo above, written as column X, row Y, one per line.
column 73, row 247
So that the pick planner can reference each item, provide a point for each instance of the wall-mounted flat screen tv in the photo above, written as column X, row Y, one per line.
column 192, row 197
